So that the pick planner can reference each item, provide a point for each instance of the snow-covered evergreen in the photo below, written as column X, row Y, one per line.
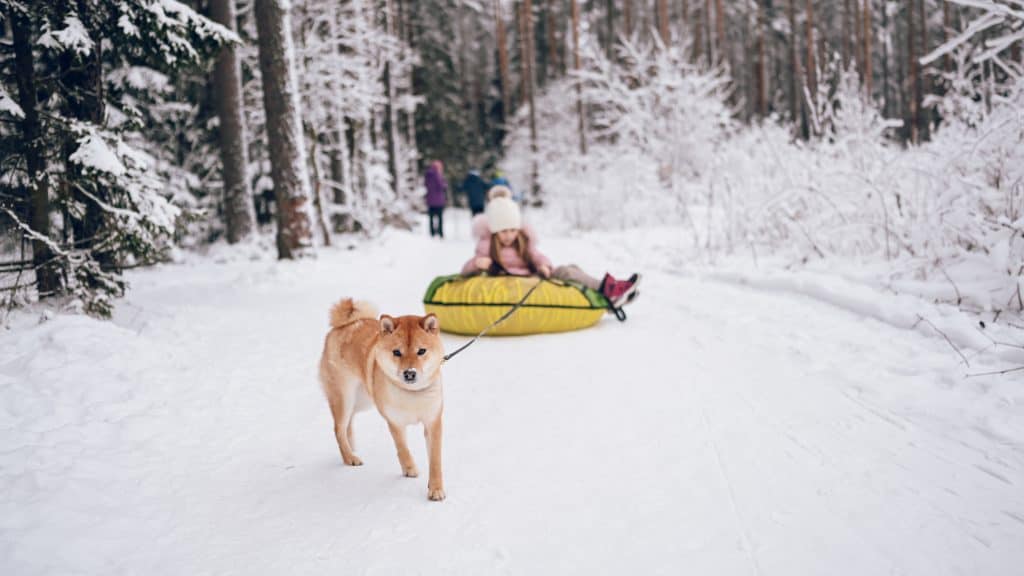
column 100, row 75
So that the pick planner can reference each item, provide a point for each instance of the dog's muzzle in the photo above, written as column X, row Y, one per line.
column 409, row 376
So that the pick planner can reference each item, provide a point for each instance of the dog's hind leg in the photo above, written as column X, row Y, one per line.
column 404, row 457
column 343, row 407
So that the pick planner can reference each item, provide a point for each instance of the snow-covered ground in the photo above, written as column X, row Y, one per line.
column 738, row 423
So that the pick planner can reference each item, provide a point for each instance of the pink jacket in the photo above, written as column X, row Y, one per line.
column 510, row 259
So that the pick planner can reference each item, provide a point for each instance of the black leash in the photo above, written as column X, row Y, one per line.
column 619, row 313
column 504, row 317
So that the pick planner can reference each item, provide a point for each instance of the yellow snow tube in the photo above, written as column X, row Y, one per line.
column 468, row 305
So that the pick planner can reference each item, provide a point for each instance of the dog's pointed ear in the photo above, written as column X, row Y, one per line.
column 430, row 323
column 387, row 324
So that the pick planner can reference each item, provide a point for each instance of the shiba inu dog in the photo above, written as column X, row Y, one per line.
column 393, row 364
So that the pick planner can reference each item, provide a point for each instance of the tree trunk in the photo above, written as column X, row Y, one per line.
column 483, row 120
column 886, row 40
column 947, row 21
column 627, row 18
column 610, row 28
column 318, row 197
column 867, row 36
column 410, row 142
column 554, row 61
column 662, row 7
column 924, row 81
column 987, row 79
column 698, row 36
column 523, row 51
column 239, row 215
column 795, row 94
column 340, row 158
column 747, row 75
column 812, row 67
column 712, row 54
column 400, row 30
column 534, row 171
column 48, row 278
column 761, row 76
column 912, row 117
column 284, row 128
column 462, row 40
column 410, row 152
column 540, row 48
column 391, row 114
column 846, row 34
column 506, row 95
column 857, row 40
column 899, row 102
column 575, row 9
column 723, row 55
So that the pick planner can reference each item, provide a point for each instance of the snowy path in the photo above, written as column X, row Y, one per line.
column 722, row 430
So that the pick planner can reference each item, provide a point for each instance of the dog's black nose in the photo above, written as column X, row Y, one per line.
column 409, row 375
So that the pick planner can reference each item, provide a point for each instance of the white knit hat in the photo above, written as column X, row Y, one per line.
column 502, row 212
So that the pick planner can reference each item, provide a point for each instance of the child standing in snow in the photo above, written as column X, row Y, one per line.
column 507, row 245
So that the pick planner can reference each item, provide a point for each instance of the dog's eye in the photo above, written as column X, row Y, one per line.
column 421, row 351
column 397, row 352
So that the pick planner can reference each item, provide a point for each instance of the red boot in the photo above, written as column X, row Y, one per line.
column 619, row 292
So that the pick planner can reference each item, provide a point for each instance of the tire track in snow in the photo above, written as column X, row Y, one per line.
column 823, row 458
column 723, row 474
column 951, row 513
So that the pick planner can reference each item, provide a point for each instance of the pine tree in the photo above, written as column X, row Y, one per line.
column 95, row 70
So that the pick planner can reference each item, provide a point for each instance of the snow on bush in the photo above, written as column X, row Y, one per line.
column 655, row 123
column 663, row 150
column 94, row 154
column 9, row 106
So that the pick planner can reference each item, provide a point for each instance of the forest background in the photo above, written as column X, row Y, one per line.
column 879, row 136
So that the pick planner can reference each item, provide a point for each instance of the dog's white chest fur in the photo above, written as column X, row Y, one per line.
column 404, row 408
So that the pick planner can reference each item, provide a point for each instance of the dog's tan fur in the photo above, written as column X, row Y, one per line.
column 359, row 369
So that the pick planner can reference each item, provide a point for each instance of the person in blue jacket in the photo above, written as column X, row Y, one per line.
column 475, row 189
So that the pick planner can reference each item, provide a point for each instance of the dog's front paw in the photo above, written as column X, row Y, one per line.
column 410, row 471
column 436, row 494
column 353, row 461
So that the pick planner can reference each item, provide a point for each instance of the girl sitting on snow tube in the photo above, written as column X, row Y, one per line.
column 507, row 245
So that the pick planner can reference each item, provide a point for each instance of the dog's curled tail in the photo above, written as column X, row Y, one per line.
column 348, row 310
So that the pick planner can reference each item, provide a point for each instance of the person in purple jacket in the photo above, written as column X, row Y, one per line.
column 437, row 190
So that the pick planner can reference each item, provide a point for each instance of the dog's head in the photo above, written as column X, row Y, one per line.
column 409, row 350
